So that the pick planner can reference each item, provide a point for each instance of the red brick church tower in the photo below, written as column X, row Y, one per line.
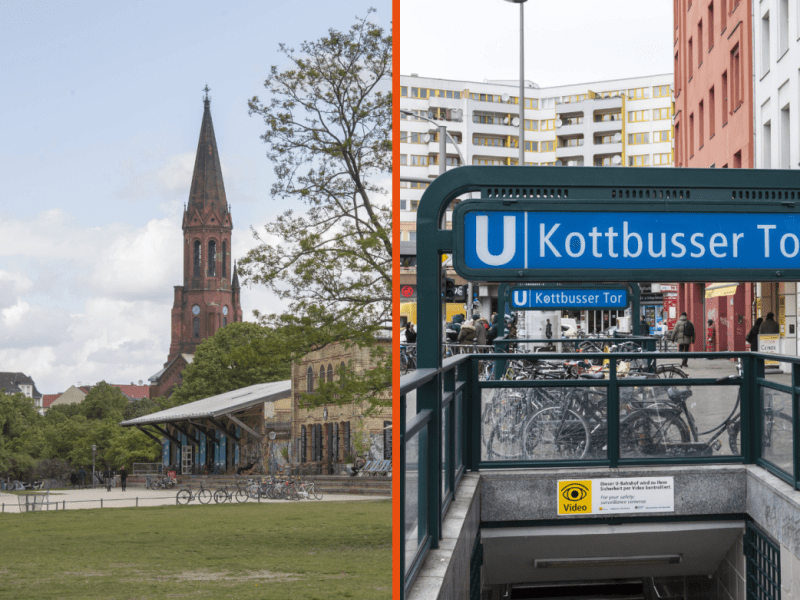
column 210, row 295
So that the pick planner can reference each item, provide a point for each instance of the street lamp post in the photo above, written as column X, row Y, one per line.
column 521, row 80
column 443, row 135
column 94, row 453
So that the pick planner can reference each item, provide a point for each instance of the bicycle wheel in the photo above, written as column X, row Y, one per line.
column 241, row 495
column 734, row 429
column 252, row 491
column 670, row 372
column 184, row 497
column 204, row 496
column 403, row 363
column 291, row 493
column 503, row 417
column 642, row 434
column 317, row 494
column 220, row 496
column 556, row 433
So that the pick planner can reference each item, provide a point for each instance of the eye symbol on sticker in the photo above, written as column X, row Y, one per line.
column 575, row 492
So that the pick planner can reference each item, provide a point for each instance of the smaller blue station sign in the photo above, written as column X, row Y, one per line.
column 565, row 298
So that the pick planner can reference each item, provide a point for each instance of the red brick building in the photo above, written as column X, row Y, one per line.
column 210, row 295
column 714, row 129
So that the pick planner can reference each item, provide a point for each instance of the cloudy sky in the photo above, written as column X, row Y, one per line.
column 566, row 41
column 100, row 114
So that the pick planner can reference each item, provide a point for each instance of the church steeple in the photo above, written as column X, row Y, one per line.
column 208, row 191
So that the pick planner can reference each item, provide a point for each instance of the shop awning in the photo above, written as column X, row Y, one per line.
column 715, row 290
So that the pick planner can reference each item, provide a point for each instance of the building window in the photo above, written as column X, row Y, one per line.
column 661, row 136
column 677, row 72
column 700, row 122
column 690, row 55
column 548, row 146
column 662, row 159
column 639, row 93
column 710, row 26
column 764, row 44
column 737, row 160
column 785, row 137
column 196, row 327
column 310, row 379
column 224, row 258
column 418, row 160
column 723, row 15
column 212, row 258
column 639, row 161
column 736, row 75
column 783, row 23
column 197, row 258
column 678, row 142
column 724, row 98
column 638, row 138
column 711, row 113
column 638, row 116
column 531, row 124
column 766, row 140
column 691, row 135
column 224, row 321
column 662, row 114
column 330, row 373
column 547, row 125
column 699, row 44
column 661, row 91
column 531, row 146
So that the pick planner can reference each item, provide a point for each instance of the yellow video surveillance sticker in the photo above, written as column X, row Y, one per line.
column 574, row 497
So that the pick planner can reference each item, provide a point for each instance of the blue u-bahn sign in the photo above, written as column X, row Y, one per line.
column 494, row 243
column 568, row 298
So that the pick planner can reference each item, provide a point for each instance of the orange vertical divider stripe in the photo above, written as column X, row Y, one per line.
column 397, row 576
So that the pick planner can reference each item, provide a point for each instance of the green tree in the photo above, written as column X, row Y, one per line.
column 236, row 356
column 104, row 401
column 129, row 446
column 328, row 134
column 328, row 131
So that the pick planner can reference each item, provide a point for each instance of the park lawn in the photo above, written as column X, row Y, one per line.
column 308, row 550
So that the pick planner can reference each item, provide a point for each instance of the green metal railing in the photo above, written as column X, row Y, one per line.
column 447, row 427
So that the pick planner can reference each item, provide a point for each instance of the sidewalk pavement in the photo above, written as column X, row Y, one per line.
column 73, row 499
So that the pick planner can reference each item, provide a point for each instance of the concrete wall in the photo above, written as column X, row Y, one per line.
column 445, row 574
column 729, row 579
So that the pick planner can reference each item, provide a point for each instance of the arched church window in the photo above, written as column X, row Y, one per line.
column 196, row 327
column 224, row 258
column 212, row 258
column 322, row 374
column 330, row 373
column 197, row 252
column 310, row 379
column 224, row 321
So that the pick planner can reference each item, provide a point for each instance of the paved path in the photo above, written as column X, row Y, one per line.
column 91, row 498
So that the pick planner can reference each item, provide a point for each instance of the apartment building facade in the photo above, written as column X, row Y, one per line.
column 776, row 93
column 622, row 122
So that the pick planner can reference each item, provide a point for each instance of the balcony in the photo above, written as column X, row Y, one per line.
column 607, row 149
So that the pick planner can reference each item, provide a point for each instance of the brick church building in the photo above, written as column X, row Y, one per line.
column 210, row 295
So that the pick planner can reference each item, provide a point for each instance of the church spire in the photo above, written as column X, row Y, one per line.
column 235, row 283
column 208, row 190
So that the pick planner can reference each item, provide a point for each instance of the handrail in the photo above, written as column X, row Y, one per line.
column 450, row 401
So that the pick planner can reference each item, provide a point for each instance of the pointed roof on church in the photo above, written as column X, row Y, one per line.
column 235, row 284
column 208, row 190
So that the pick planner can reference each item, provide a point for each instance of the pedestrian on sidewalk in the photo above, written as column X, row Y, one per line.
column 683, row 335
column 770, row 325
column 123, row 477
column 752, row 335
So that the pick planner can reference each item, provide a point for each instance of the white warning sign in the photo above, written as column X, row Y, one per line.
column 608, row 496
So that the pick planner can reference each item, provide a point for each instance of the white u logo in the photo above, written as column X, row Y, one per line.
column 520, row 298
column 482, row 240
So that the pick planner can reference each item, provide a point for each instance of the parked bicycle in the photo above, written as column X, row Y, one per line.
column 408, row 358
column 186, row 495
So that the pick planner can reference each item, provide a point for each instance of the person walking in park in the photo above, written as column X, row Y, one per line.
column 644, row 327
column 548, row 331
column 82, row 477
column 683, row 335
column 123, row 477
column 752, row 335
column 770, row 325
column 411, row 335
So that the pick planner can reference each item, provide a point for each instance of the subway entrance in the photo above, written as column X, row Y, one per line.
column 711, row 443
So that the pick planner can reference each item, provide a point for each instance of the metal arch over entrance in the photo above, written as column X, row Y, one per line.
column 592, row 224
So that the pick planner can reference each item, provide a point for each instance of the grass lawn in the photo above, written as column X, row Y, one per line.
column 300, row 550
